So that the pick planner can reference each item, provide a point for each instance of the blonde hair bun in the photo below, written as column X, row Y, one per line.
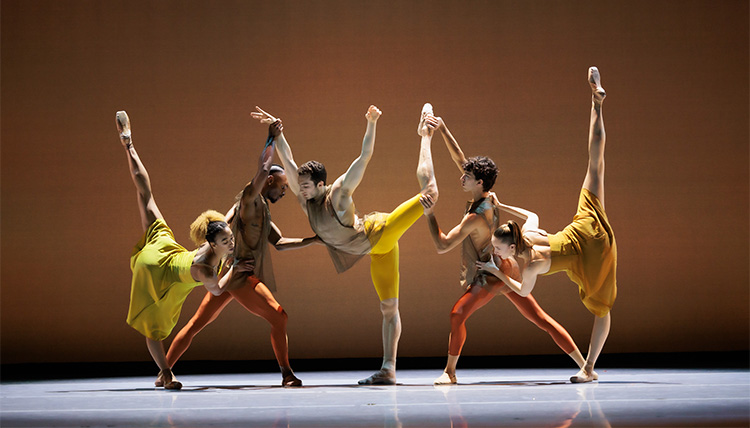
column 199, row 227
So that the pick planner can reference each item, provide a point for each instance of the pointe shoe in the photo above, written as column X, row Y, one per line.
column 446, row 379
column 159, row 382
column 291, row 380
column 123, row 125
column 380, row 377
column 596, row 84
column 422, row 129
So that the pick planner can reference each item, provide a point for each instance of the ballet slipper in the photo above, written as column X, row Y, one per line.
column 446, row 379
column 380, row 377
column 596, row 85
column 173, row 385
column 422, row 129
column 291, row 380
column 583, row 376
column 159, row 382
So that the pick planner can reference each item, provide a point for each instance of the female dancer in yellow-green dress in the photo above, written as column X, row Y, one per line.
column 164, row 272
column 585, row 249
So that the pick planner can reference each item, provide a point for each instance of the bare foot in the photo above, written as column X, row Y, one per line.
column 446, row 379
column 123, row 127
column 422, row 129
column 380, row 377
column 596, row 85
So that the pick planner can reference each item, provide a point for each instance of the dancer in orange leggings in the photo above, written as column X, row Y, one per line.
column 251, row 224
column 474, row 233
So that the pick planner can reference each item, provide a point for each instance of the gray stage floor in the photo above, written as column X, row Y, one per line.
column 519, row 397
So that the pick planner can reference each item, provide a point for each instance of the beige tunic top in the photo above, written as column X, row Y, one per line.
column 472, row 252
column 346, row 244
column 256, row 251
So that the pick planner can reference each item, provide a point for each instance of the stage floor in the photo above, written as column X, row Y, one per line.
column 483, row 397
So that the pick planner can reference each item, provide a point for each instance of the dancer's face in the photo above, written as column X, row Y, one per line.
column 308, row 189
column 223, row 242
column 502, row 249
column 469, row 182
column 276, row 186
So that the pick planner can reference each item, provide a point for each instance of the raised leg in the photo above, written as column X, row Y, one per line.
column 425, row 168
column 594, row 180
column 257, row 298
column 146, row 204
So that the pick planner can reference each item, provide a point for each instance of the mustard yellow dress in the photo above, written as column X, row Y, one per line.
column 161, row 281
column 587, row 252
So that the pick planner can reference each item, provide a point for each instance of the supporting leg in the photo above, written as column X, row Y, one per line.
column 156, row 348
column 257, row 298
column 598, row 336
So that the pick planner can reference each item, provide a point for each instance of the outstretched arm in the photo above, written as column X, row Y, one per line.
column 446, row 242
column 283, row 149
column 253, row 188
column 281, row 243
column 455, row 150
column 347, row 183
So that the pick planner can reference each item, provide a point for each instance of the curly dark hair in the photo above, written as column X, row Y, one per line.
column 483, row 169
column 315, row 170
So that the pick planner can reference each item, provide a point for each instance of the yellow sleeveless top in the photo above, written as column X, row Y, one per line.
column 587, row 252
column 161, row 281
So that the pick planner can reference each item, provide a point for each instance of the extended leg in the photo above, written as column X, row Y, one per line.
column 425, row 168
column 146, row 204
column 257, row 298
column 594, row 180
column 210, row 308
column 156, row 348
column 473, row 299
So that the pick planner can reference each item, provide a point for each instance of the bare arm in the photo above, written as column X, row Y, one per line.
column 285, row 154
column 281, row 243
column 455, row 150
column 347, row 183
column 528, row 277
column 531, row 220
column 446, row 242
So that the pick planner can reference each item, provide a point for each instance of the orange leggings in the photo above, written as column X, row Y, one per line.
column 476, row 297
column 256, row 298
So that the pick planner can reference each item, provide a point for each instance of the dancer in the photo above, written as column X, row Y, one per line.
column 330, row 210
column 251, row 224
column 164, row 272
column 474, row 233
column 585, row 249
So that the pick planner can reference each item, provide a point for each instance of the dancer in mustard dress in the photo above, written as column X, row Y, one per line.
column 585, row 249
column 164, row 272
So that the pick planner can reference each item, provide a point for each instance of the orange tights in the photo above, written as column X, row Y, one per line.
column 476, row 297
column 253, row 296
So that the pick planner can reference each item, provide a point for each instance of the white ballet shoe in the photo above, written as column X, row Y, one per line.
column 446, row 379
column 380, row 377
column 583, row 376
column 422, row 128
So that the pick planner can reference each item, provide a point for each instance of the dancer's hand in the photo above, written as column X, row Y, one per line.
column 275, row 129
column 263, row 116
column 440, row 123
column 373, row 113
column 433, row 122
column 428, row 203
column 244, row 266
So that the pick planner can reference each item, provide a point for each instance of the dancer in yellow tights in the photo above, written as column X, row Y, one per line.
column 330, row 210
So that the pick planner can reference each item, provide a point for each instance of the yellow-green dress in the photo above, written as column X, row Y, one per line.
column 161, row 281
column 587, row 252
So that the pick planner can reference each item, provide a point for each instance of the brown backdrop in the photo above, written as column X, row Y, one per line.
column 508, row 77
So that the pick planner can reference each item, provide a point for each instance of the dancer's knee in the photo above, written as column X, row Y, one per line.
column 458, row 316
column 389, row 307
